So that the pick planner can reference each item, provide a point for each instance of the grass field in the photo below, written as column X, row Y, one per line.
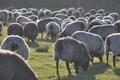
column 43, row 64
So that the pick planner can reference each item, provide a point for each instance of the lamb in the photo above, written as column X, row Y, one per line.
column 15, row 29
column 14, row 67
column 31, row 31
column 69, row 50
column 112, row 44
column 103, row 30
column 16, row 43
column 93, row 42
column 72, row 27
column 53, row 29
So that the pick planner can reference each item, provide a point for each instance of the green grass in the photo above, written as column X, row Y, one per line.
column 43, row 64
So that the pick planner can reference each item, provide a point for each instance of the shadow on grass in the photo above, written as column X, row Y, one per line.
column 94, row 69
column 33, row 44
column 117, row 71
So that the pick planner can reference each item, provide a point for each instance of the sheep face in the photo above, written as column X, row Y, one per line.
column 85, row 66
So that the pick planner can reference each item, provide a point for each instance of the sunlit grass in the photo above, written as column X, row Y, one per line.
column 44, row 65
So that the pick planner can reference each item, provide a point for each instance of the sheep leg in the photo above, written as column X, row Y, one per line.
column 76, row 67
column 100, row 59
column 114, row 61
column 107, row 59
column 67, row 65
column 92, row 57
column 57, row 63
column 47, row 36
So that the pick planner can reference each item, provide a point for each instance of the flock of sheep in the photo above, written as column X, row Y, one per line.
column 83, row 36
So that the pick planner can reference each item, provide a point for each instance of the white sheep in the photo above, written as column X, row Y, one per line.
column 93, row 42
column 16, row 43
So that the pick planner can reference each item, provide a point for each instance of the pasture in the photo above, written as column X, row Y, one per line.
column 44, row 65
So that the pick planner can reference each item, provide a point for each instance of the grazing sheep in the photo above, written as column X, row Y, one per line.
column 77, row 14
column 42, row 25
column 34, row 11
column 3, row 15
column 69, row 50
column 85, row 21
column 53, row 29
column 109, row 18
column 13, row 67
column 112, row 44
column 23, row 20
column 99, row 17
column 63, row 11
column 81, row 10
column 65, row 22
column 16, row 43
column 15, row 29
column 93, row 42
column 1, row 26
column 101, row 12
column 15, row 15
column 93, row 23
column 31, row 31
column 72, row 27
column 103, row 30
column 92, row 11
column 117, row 24
column 26, row 14
column 87, row 15
column 70, row 11
column 90, row 18
column 115, row 16
column 61, row 16
column 33, row 17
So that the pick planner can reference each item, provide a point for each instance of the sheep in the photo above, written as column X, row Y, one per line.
column 33, row 17
column 85, row 21
column 14, row 67
column 72, row 27
column 69, row 50
column 93, row 42
column 112, row 44
column 90, row 18
column 34, row 11
column 70, row 11
column 42, row 25
column 61, row 16
column 23, row 20
column 16, row 43
column 1, row 26
column 26, row 14
column 101, row 12
column 77, row 14
column 109, row 18
column 15, row 29
column 3, row 15
column 117, row 24
column 81, row 9
column 93, row 23
column 53, row 29
column 72, row 17
column 65, row 22
column 103, row 30
column 63, row 11
column 115, row 16
column 92, row 11
column 15, row 15
column 31, row 31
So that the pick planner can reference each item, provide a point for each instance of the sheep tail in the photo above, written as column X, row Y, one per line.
column 51, row 27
